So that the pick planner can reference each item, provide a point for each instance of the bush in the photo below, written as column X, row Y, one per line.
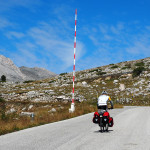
column 2, row 108
column 140, row 64
column 63, row 73
column 137, row 71
column 29, row 81
column 52, row 81
column 2, row 100
column 94, row 70
column 113, row 67
column 3, row 78
column 127, row 66
column 101, row 73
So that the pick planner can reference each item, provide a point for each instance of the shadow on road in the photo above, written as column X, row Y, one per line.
column 99, row 131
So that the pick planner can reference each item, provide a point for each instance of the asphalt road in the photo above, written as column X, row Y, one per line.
column 131, row 131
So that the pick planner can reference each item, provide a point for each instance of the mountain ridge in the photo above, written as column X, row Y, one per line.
column 15, row 74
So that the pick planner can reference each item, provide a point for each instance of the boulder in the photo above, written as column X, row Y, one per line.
column 31, row 94
column 12, row 110
column 84, row 83
column 115, row 81
column 122, row 87
column 30, row 107
column 103, row 83
column 98, row 80
column 26, row 113
column 79, row 84
column 52, row 110
column 108, row 78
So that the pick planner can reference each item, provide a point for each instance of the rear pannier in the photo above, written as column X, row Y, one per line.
column 111, row 122
column 96, row 118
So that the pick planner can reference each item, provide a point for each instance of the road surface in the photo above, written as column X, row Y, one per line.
column 131, row 131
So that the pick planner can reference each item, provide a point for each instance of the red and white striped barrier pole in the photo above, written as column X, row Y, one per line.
column 72, row 109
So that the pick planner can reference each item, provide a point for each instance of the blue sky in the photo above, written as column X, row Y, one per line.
column 40, row 33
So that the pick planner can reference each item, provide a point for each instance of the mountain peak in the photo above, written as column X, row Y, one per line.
column 13, row 73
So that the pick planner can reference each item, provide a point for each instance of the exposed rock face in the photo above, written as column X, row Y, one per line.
column 13, row 73
column 36, row 73
column 8, row 69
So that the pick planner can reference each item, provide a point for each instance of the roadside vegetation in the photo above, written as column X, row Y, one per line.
column 43, row 114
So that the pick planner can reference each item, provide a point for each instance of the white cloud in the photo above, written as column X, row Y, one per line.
column 117, row 29
column 140, row 48
column 4, row 23
column 103, row 28
column 14, row 34
column 51, row 42
column 9, row 4
column 45, row 46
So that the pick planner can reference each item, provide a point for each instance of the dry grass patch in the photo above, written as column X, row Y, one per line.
column 15, row 122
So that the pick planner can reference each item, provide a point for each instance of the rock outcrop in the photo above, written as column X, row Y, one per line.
column 8, row 68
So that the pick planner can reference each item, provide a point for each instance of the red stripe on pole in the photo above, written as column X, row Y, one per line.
column 74, row 56
column 73, row 78
column 72, row 100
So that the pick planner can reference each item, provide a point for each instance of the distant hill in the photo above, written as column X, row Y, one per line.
column 36, row 73
column 14, row 73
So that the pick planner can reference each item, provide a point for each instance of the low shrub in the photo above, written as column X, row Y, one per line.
column 63, row 73
column 137, row 71
column 127, row 66
column 52, row 81
column 140, row 64
column 113, row 67
column 2, row 109
column 94, row 70
column 101, row 73
column 29, row 81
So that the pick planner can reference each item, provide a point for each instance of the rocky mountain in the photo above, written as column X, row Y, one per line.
column 13, row 73
column 8, row 68
column 126, row 82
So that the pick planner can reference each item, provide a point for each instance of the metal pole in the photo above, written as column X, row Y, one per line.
column 72, row 109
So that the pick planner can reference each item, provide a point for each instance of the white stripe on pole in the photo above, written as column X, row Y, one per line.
column 72, row 109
